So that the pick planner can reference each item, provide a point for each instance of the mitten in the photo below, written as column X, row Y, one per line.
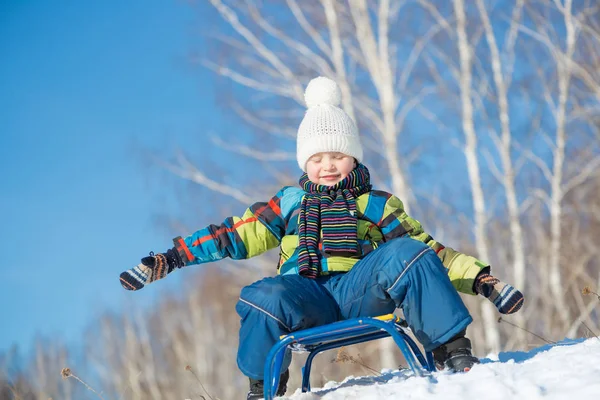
column 152, row 268
column 505, row 297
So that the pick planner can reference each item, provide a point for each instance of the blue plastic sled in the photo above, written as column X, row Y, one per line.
column 343, row 333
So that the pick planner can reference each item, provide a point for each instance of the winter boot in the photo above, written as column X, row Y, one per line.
column 455, row 354
column 257, row 388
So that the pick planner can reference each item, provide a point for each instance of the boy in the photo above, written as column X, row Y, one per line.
column 346, row 251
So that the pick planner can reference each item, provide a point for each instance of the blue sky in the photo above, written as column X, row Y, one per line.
column 84, row 87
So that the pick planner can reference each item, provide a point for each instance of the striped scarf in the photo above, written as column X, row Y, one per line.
column 332, row 210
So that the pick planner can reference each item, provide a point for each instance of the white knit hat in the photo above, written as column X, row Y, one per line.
column 325, row 126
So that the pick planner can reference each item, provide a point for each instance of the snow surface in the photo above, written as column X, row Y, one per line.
column 567, row 370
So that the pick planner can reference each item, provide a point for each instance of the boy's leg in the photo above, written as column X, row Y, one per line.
column 276, row 306
column 408, row 274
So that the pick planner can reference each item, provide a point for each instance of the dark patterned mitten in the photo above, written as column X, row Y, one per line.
column 505, row 297
column 152, row 268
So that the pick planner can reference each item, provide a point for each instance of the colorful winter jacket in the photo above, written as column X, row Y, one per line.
column 381, row 217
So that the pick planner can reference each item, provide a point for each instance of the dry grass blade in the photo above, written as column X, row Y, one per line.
column 590, row 329
column 586, row 290
column 66, row 373
column 342, row 356
column 188, row 368
column 500, row 319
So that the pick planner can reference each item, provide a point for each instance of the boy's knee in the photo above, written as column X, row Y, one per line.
column 410, row 258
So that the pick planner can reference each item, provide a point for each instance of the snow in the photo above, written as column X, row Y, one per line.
column 567, row 370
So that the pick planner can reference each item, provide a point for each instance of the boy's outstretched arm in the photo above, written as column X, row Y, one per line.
column 468, row 274
column 260, row 228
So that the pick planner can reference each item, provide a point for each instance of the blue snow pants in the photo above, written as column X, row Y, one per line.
column 401, row 273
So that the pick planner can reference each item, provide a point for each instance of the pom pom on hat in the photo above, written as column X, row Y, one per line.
column 322, row 90
column 326, row 127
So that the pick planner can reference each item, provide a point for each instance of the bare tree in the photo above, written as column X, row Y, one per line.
column 50, row 358
column 559, row 97
column 471, row 155
column 502, row 79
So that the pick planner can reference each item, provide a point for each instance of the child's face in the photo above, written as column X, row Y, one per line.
column 329, row 168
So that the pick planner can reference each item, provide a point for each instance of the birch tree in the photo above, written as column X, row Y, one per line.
column 502, row 78
column 471, row 156
column 559, row 98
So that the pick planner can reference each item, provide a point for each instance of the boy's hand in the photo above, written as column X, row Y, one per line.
column 152, row 268
column 505, row 297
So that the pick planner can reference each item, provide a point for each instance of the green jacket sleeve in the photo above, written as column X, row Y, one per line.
column 462, row 268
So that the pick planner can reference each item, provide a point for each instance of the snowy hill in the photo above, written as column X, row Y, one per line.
column 569, row 369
